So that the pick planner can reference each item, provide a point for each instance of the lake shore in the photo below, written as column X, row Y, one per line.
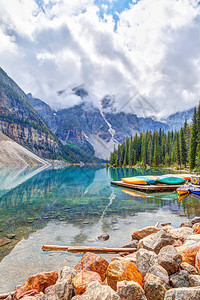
column 164, row 264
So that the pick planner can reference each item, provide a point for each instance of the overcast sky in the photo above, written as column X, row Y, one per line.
column 147, row 51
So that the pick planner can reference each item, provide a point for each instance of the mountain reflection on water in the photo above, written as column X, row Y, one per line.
column 72, row 206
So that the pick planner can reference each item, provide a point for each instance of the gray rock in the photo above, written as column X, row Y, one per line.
column 156, row 241
column 160, row 272
column 63, row 288
column 194, row 280
column 192, row 239
column 49, row 296
column 169, row 259
column 128, row 290
column 154, row 289
column 104, row 237
column 195, row 220
column 186, row 224
column 191, row 293
column 145, row 259
column 192, row 270
column 133, row 244
column 180, row 279
column 96, row 291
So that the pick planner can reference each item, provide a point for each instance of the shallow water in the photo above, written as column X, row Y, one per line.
column 73, row 206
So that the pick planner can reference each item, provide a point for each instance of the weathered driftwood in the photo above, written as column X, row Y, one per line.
column 83, row 249
column 4, row 296
column 157, row 224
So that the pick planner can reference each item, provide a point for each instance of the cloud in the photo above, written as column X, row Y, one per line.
column 153, row 51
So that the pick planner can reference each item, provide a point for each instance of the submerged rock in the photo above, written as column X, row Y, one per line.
column 142, row 233
column 120, row 270
column 36, row 284
column 169, row 259
column 104, row 237
column 129, row 290
column 82, row 280
column 93, row 262
column 156, row 241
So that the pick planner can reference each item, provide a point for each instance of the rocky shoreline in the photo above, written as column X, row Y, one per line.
column 164, row 266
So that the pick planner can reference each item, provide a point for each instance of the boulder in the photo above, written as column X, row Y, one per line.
column 156, row 241
column 168, row 228
column 197, row 261
column 186, row 224
column 188, row 253
column 195, row 220
column 177, row 243
column 181, row 233
column 197, row 229
column 169, row 259
column 192, row 239
column 128, row 290
column 180, row 279
column 142, row 233
column 133, row 244
column 104, row 237
column 191, row 293
column 194, row 280
column 130, row 257
column 154, row 288
column 93, row 262
column 160, row 272
column 49, row 296
column 145, row 259
column 120, row 270
column 192, row 270
column 36, row 284
column 96, row 291
column 63, row 289
column 195, row 226
column 82, row 280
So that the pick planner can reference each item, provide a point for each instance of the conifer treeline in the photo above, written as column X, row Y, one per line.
column 158, row 148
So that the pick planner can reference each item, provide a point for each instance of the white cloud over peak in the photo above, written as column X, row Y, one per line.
column 153, row 51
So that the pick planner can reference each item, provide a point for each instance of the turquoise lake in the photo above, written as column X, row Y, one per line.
column 73, row 206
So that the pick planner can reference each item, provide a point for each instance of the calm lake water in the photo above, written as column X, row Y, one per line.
column 73, row 206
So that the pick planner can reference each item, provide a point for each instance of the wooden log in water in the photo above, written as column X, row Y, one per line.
column 83, row 249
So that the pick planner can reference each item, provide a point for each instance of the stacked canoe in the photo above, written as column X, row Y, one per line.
column 169, row 179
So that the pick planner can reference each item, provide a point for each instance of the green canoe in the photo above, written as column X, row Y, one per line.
column 171, row 180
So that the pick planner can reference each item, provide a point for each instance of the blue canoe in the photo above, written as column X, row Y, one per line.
column 195, row 190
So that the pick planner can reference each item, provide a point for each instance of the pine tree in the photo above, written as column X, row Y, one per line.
column 156, row 151
column 198, row 137
column 193, row 142
column 177, row 149
column 183, row 147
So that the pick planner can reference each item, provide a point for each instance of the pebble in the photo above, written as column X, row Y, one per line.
column 115, row 228
column 86, row 222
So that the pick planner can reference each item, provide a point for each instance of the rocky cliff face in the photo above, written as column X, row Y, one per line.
column 20, row 121
column 101, row 127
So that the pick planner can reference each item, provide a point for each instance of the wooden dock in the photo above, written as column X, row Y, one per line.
column 148, row 188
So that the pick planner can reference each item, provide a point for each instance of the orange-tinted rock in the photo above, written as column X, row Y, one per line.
column 177, row 243
column 188, row 253
column 119, row 270
column 93, row 262
column 197, row 261
column 181, row 233
column 36, row 284
column 140, row 234
column 83, row 278
column 197, row 230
